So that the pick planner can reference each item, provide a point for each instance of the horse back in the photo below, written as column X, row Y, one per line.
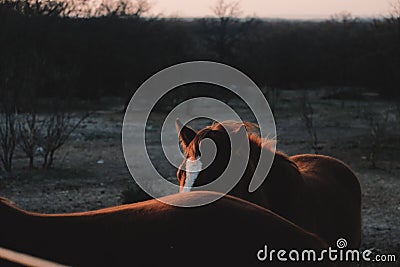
column 332, row 194
column 151, row 233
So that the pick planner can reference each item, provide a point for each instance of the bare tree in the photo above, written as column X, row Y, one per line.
column 8, row 138
column 227, row 10
column 123, row 8
column 8, row 114
column 307, row 113
column 343, row 17
column 377, row 124
column 29, row 130
column 394, row 19
column 52, row 8
column 57, row 129
column 395, row 9
column 224, row 28
column 40, row 7
column 78, row 8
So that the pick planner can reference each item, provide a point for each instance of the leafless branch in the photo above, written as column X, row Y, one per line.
column 58, row 127
column 224, row 10
column 343, row 17
column 307, row 113
column 377, row 123
column 40, row 7
column 29, row 131
column 123, row 8
column 395, row 9
column 8, row 139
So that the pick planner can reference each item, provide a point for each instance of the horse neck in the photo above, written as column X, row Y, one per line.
column 253, row 161
column 256, row 147
column 283, row 185
column 282, row 169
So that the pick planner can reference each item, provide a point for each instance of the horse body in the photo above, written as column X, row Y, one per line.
column 150, row 233
column 331, row 198
column 319, row 193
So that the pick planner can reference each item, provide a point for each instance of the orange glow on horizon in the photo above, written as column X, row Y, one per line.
column 277, row 8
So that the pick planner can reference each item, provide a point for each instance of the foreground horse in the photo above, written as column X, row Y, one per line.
column 150, row 233
column 319, row 193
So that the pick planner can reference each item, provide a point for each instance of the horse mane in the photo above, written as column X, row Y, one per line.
column 253, row 133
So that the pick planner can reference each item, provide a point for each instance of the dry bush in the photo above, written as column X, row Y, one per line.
column 378, row 126
column 225, row 9
column 57, row 128
column 307, row 115
column 8, row 139
column 31, row 135
column 135, row 8
column 29, row 131
column 40, row 7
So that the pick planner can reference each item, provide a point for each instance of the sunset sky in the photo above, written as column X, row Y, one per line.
column 301, row 9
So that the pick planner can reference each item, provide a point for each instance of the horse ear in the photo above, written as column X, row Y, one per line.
column 186, row 134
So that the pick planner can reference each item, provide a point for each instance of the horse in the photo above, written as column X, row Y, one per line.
column 319, row 193
column 150, row 233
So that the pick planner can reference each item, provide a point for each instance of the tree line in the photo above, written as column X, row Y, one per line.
column 47, row 52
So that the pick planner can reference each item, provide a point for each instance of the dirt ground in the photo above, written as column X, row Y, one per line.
column 90, row 170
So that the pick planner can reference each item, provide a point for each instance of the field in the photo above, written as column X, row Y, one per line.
column 90, row 171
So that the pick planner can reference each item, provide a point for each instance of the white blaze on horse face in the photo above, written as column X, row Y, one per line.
column 193, row 168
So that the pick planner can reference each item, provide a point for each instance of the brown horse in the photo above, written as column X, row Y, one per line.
column 319, row 193
column 151, row 233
